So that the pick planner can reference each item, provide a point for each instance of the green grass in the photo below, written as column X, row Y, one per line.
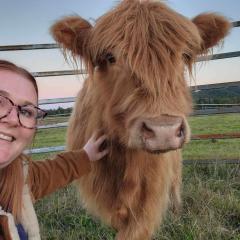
column 50, row 137
column 217, row 150
column 211, row 205
column 61, row 217
column 219, row 123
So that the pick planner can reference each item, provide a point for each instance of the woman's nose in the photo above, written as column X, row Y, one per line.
column 12, row 117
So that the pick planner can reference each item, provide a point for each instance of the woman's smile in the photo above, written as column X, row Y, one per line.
column 6, row 137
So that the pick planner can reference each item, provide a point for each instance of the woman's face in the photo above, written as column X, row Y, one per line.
column 13, row 137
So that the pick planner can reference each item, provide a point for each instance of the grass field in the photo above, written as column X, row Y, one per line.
column 211, row 193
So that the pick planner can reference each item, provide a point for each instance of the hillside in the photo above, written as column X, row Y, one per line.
column 230, row 95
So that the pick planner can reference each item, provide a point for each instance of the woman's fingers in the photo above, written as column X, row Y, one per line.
column 101, row 139
column 103, row 153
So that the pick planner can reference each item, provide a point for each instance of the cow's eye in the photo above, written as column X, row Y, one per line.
column 110, row 58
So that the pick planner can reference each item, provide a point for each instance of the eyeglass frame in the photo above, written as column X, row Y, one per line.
column 19, row 108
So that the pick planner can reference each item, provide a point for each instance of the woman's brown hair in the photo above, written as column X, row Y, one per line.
column 11, row 177
column 9, row 66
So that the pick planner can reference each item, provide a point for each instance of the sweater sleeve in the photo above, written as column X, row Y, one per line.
column 44, row 177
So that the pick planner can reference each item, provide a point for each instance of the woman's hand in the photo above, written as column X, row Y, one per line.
column 92, row 147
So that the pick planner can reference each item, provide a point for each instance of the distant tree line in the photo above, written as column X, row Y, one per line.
column 59, row 111
column 229, row 95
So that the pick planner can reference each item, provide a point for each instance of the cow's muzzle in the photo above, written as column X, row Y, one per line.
column 162, row 134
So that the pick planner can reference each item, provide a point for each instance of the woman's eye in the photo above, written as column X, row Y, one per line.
column 27, row 113
column 110, row 58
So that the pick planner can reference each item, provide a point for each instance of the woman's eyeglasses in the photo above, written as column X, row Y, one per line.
column 28, row 115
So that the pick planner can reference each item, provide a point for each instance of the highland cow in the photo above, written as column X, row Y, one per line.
column 136, row 56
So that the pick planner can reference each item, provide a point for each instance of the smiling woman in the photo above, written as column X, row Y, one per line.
column 21, row 180
column 13, row 138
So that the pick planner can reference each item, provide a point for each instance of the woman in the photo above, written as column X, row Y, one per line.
column 23, row 181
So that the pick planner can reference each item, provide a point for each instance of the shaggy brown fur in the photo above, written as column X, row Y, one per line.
column 136, row 55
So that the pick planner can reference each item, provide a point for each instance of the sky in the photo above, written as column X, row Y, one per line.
column 28, row 22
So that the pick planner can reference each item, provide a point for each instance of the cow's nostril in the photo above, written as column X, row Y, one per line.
column 147, row 131
column 180, row 131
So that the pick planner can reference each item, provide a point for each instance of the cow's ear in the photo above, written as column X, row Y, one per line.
column 71, row 33
column 212, row 28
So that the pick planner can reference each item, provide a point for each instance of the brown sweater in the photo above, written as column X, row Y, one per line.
column 45, row 177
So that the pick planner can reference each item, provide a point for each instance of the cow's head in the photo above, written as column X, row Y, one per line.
column 137, row 54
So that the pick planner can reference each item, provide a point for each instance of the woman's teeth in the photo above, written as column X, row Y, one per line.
column 6, row 138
